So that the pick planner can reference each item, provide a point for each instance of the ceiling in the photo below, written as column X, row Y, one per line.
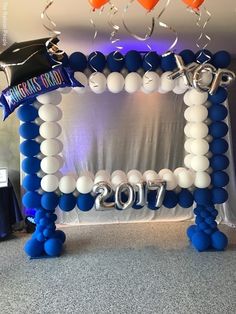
column 23, row 23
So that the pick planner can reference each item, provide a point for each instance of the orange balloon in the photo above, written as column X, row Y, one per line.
column 194, row 4
column 97, row 4
column 148, row 4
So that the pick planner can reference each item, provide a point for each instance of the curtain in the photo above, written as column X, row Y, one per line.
column 128, row 131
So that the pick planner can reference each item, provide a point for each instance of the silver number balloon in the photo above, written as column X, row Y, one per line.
column 141, row 189
column 103, row 190
column 223, row 77
column 160, row 187
column 203, row 68
column 131, row 196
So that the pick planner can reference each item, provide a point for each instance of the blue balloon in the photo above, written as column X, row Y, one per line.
column 221, row 59
column 202, row 196
column 31, row 200
column 115, row 61
column 219, row 195
column 214, row 213
column 219, row 179
column 151, row 61
column 31, row 182
column 218, row 129
column 34, row 248
column 27, row 113
column 204, row 213
column 29, row 130
column 40, row 237
column 219, row 97
column 53, row 247
column 133, row 60
column 49, row 201
column 209, row 220
column 170, row 199
column 38, row 215
column 217, row 112
column 78, row 61
column 45, row 222
column 39, row 228
column 201, row 241
column 203, row 226
column 29, row 148
column 85, row 202
column 48, row 233
column 219, row 146
column 168, row 62
column 59, row 234
column 51, row 216
column 219, row 240
column 97, row 61
column 203, row 56
column 185, row 198
column 199, row 220
column 219, row 162
column 188, row 56
column 191, row 230
column 198, row 210
column 31, row 165
column 67, row 202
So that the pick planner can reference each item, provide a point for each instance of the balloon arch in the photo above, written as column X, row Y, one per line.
column 201, row 181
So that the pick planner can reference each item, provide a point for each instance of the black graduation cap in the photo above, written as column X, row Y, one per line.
column 25, row 60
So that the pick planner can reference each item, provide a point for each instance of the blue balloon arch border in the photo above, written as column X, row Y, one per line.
column 204, row 234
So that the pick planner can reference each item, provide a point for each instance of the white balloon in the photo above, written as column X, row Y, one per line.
column 119, row 173
column 198, row 130
column 50, row 130
column 206, row 78
column 167, row 84
column 178, row 170
column 187, row 99
column 180, row 83
column 197, row 113
column 150, row 175
column 185, row 179
column 177, row 90
column 97, row 82
column 199, row 147
column 187, row 129
column 161, row 91
column 144, row 90
column 51, row 147
column 65, row 90
column 187, row 145
column 115, row 82
column 50, row 164
column 151, row 81
column 200, row 163
column 82, row 78
column 133, row 82
column 103, row 174
column 49, row 183
column 53, row 98
column 117, row 180
column 164, row 171
column 187, row 160
column 84, row 184
column 50, row 113
column 187, row 112
column 134, row 179
column 134, row 172
column 196, row 97
column 170, row 179
column 67, row 184
column 202, row 180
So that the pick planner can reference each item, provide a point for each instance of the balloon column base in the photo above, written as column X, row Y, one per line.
column 205, row 240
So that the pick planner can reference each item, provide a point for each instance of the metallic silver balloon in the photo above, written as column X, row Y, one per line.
column 223, row 77
column 160, row 187
column 197, row 82
column 141, row 189
column 103, row 190
column 131, row 198
column 183, row 70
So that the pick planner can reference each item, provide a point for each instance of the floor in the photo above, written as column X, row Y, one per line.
column 129, row 268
